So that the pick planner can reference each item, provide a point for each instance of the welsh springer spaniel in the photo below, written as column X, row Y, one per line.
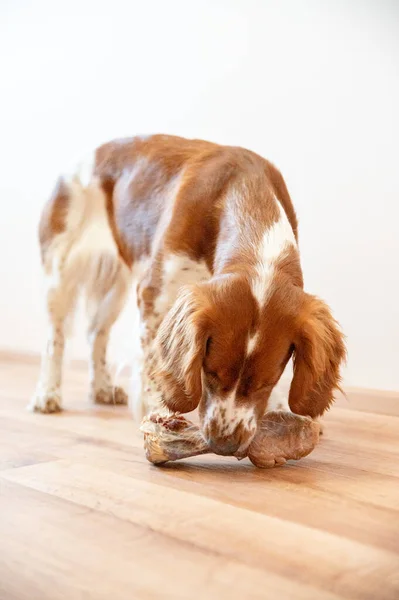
column 210, row 235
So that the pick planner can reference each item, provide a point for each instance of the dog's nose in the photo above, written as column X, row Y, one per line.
column 224, row 446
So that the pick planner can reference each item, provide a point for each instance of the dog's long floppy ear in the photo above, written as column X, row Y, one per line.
column 180, row 350
column 318, row 355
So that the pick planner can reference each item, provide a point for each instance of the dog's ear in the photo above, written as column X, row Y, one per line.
column 318, row 355
column 180, row 348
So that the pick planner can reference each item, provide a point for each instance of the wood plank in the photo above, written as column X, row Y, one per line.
column 59, row 550
column 279, row 487
column 257, row 540
column 83, row 515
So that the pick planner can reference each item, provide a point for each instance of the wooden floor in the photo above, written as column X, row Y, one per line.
column 84, row 516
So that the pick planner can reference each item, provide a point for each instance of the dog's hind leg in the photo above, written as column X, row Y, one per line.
column 105, row 302
column 61, row 294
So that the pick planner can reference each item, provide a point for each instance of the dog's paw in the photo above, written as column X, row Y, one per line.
column 116, row 395
column 45, row 402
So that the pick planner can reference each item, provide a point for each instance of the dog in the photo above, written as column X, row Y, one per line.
column 208, row 235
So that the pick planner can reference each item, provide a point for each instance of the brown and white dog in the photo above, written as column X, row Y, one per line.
column 209, row 234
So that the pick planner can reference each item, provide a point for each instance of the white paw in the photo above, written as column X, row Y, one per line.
column 115, row 395
column 45, row 402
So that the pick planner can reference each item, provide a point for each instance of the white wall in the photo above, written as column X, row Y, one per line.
column 313, row 86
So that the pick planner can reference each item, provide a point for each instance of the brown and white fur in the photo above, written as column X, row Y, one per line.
column 208, row 234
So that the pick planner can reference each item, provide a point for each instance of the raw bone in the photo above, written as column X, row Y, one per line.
column 281, row 436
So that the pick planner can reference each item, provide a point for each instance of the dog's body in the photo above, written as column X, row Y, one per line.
column 169, row 212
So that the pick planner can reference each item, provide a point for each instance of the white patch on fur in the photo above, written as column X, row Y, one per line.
column 239, row 415
column 87, row 238
column 275, row 242
column 228, row 415
column 210, row 412
column 178, row 270
column 251, row 344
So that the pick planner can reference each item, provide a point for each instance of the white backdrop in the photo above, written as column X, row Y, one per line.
column 312, row 85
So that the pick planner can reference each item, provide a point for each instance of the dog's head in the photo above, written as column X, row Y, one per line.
column 220, row 351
